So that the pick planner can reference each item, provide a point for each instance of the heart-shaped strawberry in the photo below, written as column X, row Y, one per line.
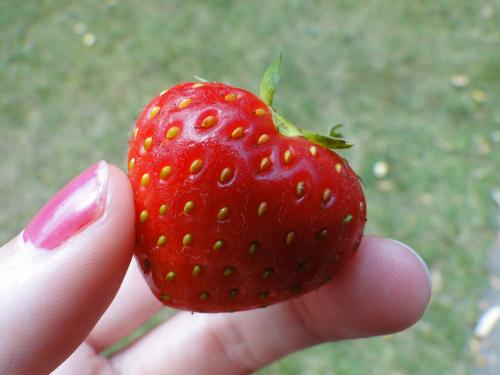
column 236, row 207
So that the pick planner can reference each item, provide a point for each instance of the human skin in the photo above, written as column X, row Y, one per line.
column 65, row 299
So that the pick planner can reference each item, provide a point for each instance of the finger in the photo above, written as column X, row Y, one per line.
column 384, row 289
column 133, row 305
column 84, row 361
column 61, row 273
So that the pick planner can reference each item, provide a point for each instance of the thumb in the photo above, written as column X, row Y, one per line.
column 60, row 274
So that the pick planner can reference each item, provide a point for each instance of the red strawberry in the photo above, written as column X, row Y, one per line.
column 232, row 214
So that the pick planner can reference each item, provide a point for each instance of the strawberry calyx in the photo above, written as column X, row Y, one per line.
column 286, row 128
column 268, row 86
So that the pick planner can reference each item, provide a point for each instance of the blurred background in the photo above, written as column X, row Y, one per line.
column 417, row 85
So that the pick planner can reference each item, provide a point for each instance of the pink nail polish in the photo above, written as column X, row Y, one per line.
column 77, row 205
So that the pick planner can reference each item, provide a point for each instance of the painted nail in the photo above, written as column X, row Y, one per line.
column 73, row 208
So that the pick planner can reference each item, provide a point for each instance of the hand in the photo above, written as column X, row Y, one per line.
column 66, row 295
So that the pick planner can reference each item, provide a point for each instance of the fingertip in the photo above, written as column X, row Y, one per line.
column 68, row 267
column 383, row 289
column 122, row 190
column 416, row 255
column 390, row 283
column 415, row 281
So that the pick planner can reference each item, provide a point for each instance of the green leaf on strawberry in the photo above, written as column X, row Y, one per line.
column 270, row 80
column 268, row 87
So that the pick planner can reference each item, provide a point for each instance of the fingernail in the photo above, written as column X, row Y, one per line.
column 73, row 208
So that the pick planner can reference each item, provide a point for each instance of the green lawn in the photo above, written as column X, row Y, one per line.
column 383, row 68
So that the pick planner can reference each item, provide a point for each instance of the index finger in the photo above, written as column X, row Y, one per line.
column 384, row 289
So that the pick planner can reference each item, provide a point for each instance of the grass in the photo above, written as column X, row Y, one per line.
column 383, row 68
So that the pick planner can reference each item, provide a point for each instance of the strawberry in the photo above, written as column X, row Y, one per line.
column 236, row 207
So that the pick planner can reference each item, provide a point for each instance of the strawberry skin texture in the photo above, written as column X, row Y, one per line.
column 232, row 215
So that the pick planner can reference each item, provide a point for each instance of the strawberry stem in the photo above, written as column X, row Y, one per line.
column 268, row 86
